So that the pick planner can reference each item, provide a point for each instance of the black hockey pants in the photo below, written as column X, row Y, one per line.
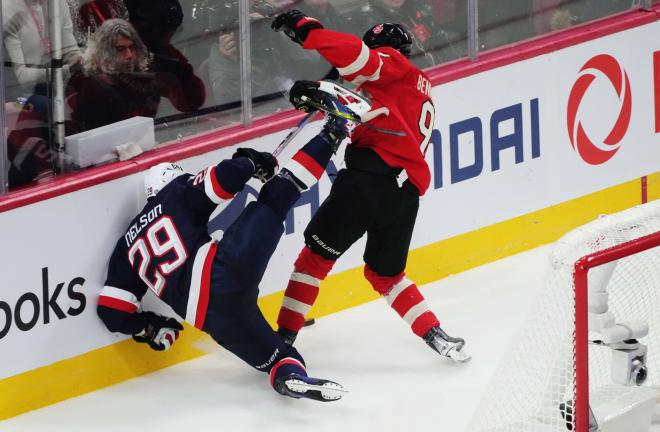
column 366, row 198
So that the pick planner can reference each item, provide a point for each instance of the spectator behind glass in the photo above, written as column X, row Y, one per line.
column 156, row 21
column 115, row 84
column 28, row 49
column 28, row 44
column 432, row 44
column 275, row 64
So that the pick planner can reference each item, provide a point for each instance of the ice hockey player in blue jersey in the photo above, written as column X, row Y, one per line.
column 214, row 286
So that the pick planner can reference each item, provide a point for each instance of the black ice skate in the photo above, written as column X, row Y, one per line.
column 289, row 336
column 446, row 345
column 336, row 128
column 298, row 386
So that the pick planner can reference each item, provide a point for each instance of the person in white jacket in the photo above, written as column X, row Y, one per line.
column 28, row 42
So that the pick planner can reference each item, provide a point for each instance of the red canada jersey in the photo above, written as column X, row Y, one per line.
column 400, row 94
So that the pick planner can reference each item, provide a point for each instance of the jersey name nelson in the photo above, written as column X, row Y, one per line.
column 142, row 222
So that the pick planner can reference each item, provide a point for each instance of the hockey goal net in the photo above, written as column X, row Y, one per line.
column 588, row 356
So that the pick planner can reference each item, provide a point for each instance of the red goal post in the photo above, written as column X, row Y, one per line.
column 580, row 278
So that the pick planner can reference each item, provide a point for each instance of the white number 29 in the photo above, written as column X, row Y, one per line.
column 426, row 121
column 160, row 239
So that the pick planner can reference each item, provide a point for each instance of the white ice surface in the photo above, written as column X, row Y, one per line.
column 396, row 382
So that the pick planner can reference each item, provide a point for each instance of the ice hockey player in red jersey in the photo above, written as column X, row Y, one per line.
column 214, row 286
column 385, row 175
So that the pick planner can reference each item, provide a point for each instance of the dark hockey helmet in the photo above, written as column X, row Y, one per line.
column 391, row 35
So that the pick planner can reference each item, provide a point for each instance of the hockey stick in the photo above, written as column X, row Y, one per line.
column 292, row 134
column 356, row 119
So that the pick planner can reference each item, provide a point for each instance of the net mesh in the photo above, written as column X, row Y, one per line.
column 533, row 389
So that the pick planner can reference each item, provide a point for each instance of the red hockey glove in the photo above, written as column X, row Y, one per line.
column 160, row 332
column 264, row 163
column 295, row 24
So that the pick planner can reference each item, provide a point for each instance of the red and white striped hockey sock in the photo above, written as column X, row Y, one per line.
column 303, row 289
column 308, row 164
column 404, row 297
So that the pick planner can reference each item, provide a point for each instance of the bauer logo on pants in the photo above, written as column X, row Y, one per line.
column 600, row 72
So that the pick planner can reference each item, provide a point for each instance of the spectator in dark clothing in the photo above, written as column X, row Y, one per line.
column 156, row 22
column 115, row 84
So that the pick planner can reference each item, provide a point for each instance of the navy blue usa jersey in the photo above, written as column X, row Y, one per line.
column 167, row 249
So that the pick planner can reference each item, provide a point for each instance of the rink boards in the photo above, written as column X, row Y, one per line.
column 520, row 154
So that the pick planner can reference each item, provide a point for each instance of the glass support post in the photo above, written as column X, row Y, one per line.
column 57, row 83
column 473, row 29
column 245, row 58
column 4, row 161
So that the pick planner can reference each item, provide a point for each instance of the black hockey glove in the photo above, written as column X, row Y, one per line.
column 295, row 24
column 301, row 88
column 264, row 162
column 160, row 332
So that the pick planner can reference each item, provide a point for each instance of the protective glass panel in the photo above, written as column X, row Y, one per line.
column 145, row 58
column 439, row 27
column 27, row 54
column 204, row 22
column 277, row 61
column 502, row 23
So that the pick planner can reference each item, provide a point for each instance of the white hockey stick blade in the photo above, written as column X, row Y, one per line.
column 329, row 390
column 357, row 103
column 292, row 134
column 459, row 356
column 356, row 119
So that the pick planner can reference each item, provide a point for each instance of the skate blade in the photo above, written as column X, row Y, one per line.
column 459, row 356
column 329, row 390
